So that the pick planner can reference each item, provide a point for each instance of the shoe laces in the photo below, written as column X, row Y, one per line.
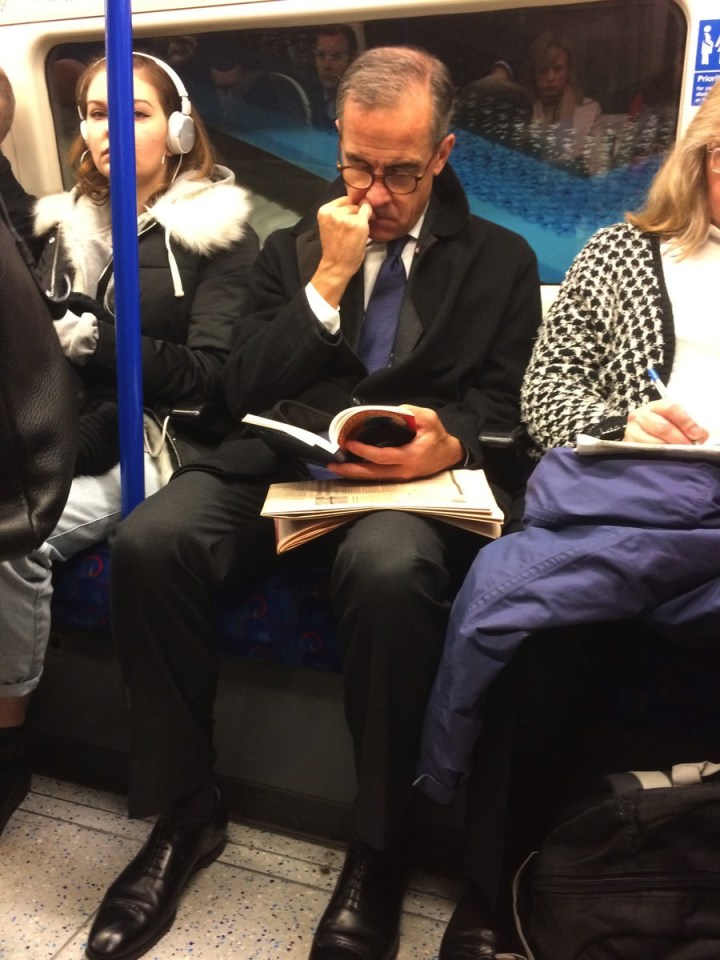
column 356, row 881
column 160, row 848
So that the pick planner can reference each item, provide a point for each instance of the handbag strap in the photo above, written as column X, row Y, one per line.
column 520, row 885
column 680, row 775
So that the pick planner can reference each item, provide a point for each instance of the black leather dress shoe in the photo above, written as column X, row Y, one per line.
column 139, row 907
column 362, row 920
column 472, row 933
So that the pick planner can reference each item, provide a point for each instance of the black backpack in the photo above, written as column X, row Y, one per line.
column 633, row 873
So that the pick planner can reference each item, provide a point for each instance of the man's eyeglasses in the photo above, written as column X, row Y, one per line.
column 399, row 183
column 714, row 159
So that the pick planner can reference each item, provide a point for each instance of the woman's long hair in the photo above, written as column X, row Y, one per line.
column 677, row 206
column 198, row 162
column 541, row 54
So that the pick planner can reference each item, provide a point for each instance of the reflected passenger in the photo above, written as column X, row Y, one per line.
column 496, row 106
column 559, row 105
column 248, row 95
column 334, row 50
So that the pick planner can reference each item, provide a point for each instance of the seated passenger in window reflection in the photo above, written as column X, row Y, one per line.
column 247, row 93
column 562, row 117
column 184, row 53
column 181, row 50
column 496, row 106
column 334, row 49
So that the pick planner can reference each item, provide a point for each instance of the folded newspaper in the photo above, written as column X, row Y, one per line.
column 307, row 509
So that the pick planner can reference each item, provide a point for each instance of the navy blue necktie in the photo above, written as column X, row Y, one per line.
column 383, row 309
column 381, row 317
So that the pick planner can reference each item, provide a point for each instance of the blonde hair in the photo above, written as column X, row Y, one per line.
column 540, row 56
column 199, row 162
column 677, row 206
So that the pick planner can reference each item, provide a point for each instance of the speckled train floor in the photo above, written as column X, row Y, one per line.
column 260, row 901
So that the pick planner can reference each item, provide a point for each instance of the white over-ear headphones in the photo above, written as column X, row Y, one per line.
column 181, row 126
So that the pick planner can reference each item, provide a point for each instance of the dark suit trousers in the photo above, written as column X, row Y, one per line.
column 393, row 578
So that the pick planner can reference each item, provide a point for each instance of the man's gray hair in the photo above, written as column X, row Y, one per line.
column 7, row 105
column 379, row 78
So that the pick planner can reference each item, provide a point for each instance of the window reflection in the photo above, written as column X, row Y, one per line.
column 564, row 113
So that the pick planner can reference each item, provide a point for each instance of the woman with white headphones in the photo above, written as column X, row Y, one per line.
column 195, row 252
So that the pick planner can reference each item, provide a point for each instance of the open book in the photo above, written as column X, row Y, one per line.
column 376, row 425
column 592, row 446
column 307, row 509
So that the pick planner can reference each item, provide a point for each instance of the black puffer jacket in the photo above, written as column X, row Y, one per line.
column 195, row 252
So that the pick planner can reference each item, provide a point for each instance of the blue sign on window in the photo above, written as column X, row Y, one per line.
column 707, row 60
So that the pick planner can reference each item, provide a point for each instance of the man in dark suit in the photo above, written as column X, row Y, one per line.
column 462, row 338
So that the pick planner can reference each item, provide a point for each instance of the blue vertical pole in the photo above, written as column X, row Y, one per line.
column 123, row 200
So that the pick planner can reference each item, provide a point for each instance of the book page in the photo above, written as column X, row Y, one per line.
column 299, row 433
column 346, row 424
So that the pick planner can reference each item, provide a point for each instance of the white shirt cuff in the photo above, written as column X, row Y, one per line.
column 328, row 316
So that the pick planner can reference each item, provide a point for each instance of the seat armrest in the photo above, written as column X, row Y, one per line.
column 505, row 457
column 516, row 439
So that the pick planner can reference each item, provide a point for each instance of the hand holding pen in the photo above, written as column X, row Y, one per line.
column 657, row 383
column 662, row 421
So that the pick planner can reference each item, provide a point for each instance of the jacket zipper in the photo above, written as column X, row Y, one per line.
column 625, row 883
column 111, row 278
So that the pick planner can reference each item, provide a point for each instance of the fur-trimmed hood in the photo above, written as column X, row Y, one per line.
column 203, row 216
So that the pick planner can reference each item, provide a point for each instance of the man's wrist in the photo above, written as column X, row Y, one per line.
column 464, row 458
column 324, row 312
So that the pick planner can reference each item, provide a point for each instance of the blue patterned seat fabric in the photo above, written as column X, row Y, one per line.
column 283, row 617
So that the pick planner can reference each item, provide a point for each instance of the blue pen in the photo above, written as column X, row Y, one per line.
column 657, row 383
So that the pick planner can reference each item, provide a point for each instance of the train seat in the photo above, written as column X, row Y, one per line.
column 282, row 617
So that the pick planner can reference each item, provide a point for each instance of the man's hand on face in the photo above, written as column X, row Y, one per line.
column 432, row 450
column 344, row 232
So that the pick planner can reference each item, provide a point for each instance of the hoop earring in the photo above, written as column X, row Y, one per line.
column 83, row 155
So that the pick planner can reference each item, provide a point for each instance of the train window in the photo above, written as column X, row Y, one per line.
column 563, row 116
